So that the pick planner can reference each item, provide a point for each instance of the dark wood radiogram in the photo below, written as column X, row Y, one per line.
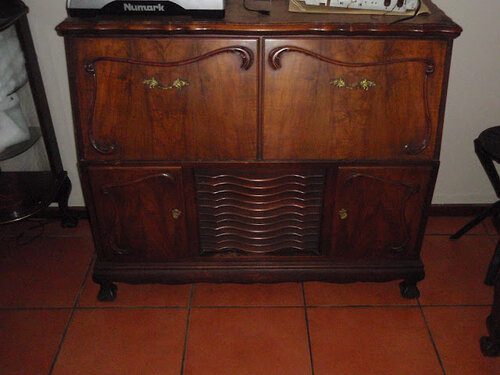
column 258, row 148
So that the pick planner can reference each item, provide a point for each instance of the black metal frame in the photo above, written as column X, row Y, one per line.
column 486, row 160
column 58, row 187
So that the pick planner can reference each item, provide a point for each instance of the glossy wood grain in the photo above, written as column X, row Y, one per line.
column 240, row 21
column 140, row 213
column 124, row 116
column 378, row 212
column 396, row 118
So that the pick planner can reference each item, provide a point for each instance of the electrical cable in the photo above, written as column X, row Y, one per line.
column 409, row 17
column 261, row 11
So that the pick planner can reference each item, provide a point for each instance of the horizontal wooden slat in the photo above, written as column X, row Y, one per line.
column 257, row 213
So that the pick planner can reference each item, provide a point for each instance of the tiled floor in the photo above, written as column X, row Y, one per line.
column 51, row 322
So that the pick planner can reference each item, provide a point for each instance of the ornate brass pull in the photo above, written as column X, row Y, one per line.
column 176, row 213
column 343, row 214
column 364, row 84
column 153, row 83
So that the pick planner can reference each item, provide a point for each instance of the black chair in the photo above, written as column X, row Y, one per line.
column 487, row 147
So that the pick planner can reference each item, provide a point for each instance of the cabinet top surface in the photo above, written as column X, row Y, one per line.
column 240, row 21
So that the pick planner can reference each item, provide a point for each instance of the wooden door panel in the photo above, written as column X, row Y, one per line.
column 378, row 212
column 140, row 213
column 169, row 98
column 351, row 98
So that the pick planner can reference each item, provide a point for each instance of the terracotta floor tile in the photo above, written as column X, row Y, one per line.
column 283, row 294
column 29, row 340
column 357, row 294
column 456, row 332
column 45, row 273
column 448, row 225
column 490, row 227
column 46, row 227
column 123, row 341
column 375, row 341
column 247, row 341
column 137, row 295
column 54, row 228
column 455, row 270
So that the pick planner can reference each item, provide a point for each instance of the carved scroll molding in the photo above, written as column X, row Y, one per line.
column 410, row 190
column 107, row 190
column 246, row 55
column 429, row 67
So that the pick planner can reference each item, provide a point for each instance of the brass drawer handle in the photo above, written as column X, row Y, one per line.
column 153, row 83
column 343, row 214
column 364, row 84
column 176, row 213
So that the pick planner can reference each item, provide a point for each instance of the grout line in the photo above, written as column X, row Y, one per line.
column 85, row 279
column 75, row 304
column 431, row 337
column 461, row 305
column 465, row 235
column 250, row 307
column 485, row 227
column 307, row 327
column 187, row 329
column 493, row 239
column 130, row 307
column 361, row 306
column 180, row 307
column 30, row 308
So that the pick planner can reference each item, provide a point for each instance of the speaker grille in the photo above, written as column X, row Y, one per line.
column 258, row 213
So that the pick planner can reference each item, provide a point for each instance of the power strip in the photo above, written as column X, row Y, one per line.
column 369, row 4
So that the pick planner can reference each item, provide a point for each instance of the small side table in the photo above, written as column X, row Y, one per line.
column 26, row 192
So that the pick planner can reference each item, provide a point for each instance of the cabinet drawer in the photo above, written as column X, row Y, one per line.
column 352, row 98
column 165, row 98
column 141, row 215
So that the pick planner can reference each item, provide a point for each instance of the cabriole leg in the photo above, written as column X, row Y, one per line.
column 108, row 291
column 409, row 289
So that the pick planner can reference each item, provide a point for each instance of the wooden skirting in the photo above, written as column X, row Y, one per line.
column 457, row 209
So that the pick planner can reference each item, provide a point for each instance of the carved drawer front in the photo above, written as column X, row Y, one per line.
column 352, row 98
column 378, row 212
column 169, row 98
column 140, row 213
column 259, row 212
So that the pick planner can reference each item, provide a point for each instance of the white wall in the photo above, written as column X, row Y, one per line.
column 473, row 100
column 473, row 96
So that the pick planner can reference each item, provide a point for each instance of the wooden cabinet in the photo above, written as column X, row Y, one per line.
column 258, row 149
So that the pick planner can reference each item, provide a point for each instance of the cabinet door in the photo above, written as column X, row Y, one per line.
column 140, row 213
column 165, row 98
column 327, row 98
column 378, row 212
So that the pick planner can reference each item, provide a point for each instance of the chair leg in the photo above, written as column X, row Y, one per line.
column 494, row 267
column 490, row 211
column 488, row 166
